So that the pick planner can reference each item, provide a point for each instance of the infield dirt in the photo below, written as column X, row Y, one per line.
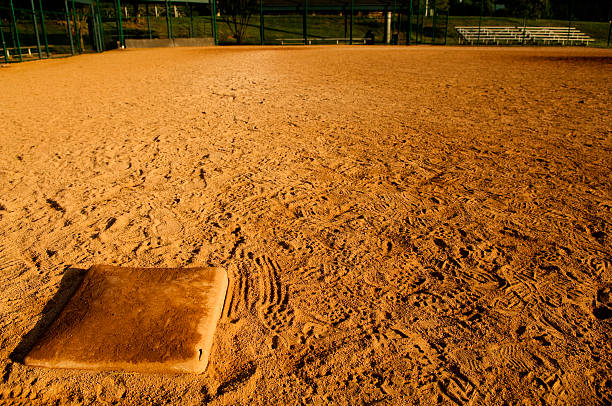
column 399, row 225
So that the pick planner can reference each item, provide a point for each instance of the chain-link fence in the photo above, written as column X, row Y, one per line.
column 35, row 29
column 161, row 20
column 537, row 22
column 438, row 22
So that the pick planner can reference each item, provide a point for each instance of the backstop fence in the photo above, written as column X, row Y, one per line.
column 39, row 29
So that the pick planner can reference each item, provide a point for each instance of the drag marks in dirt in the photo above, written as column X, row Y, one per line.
column 410, row 251
column 12, row 262
column 238, row 293
column 13, row 265
column 273, row 304
column 255, row 286
column 411, row 288
column 457, row 387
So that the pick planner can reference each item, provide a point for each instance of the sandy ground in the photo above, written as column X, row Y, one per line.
column 400, row 225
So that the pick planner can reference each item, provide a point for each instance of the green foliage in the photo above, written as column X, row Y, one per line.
column 530, row 8
column 237, row 14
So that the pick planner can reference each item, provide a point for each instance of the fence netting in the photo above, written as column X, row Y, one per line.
column 38, row 29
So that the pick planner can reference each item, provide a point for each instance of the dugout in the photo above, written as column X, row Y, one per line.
column 37, row 29
column 40, row 29
column 154, row 23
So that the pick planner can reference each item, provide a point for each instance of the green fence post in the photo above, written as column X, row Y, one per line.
column 99, row 17
column 524, row 28
column 77, row 28
column 44, row 29
column 80, row 14
column 168, row 29
column 16, row 32
column 92, row 30
column 434, row 23
column 305, row 26
column 170, row 19
column 261, row 23
column 446, row 27
column 190, row 20
column 409, row 35
column 213, row 11
column 98, row 26
column 69, row 27
column 393, row 21
column 420, row 25
column 480, row 21
column 351, row 29
column 398, row 24
column 36, row 29
column 569, row 24
column 148, row 20
column 119, row 24
column 416, row 29
column 345, row 23
column 96, row 29
column 3, row 45
column 426, row 13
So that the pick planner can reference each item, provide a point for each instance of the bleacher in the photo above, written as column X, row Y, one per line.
column 522, row 35
column 558, row 35
column 25, row 50
column 338, row 41
column 490, row 35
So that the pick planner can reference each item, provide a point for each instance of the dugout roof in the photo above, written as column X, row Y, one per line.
column 288, row 3
column 334, row 4
column 323, row 3
column 299, row 4
column 163, row 1
column 59, row 3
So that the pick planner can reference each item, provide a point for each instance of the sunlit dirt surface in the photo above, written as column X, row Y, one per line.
column 400, row 225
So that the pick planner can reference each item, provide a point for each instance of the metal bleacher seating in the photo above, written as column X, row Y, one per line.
column 562, row 35
column 298, row 41
column 522, row 35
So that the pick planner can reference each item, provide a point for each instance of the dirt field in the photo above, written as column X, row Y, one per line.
column 400, row 225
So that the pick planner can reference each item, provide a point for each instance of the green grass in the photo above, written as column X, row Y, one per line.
column 597, row 30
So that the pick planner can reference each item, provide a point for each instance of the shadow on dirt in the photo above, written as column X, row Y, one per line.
column 70, row 282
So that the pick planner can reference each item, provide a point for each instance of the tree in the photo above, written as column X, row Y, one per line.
column 530, row 8
column 237, row 14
